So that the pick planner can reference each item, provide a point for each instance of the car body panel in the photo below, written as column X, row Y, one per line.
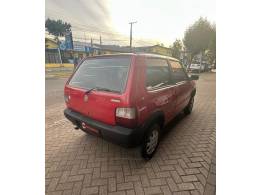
column 101, row 106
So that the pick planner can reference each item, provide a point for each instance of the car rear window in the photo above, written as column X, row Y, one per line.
column 103, row 73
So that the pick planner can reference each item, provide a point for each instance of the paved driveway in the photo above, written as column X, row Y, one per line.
column 78, row 163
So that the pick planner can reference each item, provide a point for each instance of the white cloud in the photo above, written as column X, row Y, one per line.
column 161, row 21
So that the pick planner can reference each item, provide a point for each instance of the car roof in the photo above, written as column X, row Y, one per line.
column 135, row 54
column 157, row 56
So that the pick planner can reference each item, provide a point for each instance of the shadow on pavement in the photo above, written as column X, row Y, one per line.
column 172, row 124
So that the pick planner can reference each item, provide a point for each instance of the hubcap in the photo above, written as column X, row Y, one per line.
column 152, row 142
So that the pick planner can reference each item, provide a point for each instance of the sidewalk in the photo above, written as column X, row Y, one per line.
column 58, row 72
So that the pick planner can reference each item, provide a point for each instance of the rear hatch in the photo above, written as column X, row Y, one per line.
column 97, row 87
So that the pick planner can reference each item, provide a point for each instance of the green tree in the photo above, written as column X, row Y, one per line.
column 177, row 48
column 212, row 45
column 57, row 27
column 198, row 36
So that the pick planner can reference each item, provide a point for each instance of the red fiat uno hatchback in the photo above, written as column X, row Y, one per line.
column 128, row 98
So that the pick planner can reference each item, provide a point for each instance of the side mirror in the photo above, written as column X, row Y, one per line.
column 194, row 77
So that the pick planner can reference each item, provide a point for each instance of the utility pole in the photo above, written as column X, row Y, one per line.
column 60, row 56
column 200, row 60
column 85, row 38
column 131, row 24
column 91, row 43
column 59, row 52
column 100, row 43
column 85, row 43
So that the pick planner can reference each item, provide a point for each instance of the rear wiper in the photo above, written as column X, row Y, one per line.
column 88, row 91
column 99, row 89
column 105, row 89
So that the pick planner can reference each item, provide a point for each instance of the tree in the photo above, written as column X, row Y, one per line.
column 57, row 27
column 212, row 45
column 176, row 48
column 198, row 36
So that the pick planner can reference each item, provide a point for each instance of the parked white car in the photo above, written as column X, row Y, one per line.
column 197, row 68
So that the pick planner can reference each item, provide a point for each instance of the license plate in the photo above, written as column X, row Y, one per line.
column 87, row 127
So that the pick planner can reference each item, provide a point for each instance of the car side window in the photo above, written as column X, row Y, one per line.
column 157, row 73
column 178, row 73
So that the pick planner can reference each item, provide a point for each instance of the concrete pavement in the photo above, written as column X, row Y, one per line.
column 78, row 163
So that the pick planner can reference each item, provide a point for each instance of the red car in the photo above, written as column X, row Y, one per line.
column 128, row 98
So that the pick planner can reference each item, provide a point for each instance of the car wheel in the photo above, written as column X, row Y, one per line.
column 188, row 108
column 151, row 142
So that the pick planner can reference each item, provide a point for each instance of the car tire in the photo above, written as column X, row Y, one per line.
column 151, row 141
column 187, row 110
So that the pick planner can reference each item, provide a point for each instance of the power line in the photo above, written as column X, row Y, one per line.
column 81, row 38
column 109, row 39
column 78, row 27
column 90, row 28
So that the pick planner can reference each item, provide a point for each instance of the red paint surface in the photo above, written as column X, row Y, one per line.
column 170, row 100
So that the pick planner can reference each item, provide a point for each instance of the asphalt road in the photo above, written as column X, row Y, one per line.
column 54, row 90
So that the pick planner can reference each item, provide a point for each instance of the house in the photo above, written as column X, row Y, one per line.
column 84, row 49
column 50, row 43
column 112, row 49
column 51, row 51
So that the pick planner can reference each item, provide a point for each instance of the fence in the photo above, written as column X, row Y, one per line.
column 52, row 56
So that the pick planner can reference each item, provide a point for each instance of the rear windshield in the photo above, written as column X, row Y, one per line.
column 104, row 73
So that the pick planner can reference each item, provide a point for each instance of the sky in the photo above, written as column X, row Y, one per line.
column 158, row 21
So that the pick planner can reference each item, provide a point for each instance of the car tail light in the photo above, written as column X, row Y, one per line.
column 126, row 117
column 128, row 113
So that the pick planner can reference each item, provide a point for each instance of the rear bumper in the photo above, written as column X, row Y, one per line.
column 120, row 135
